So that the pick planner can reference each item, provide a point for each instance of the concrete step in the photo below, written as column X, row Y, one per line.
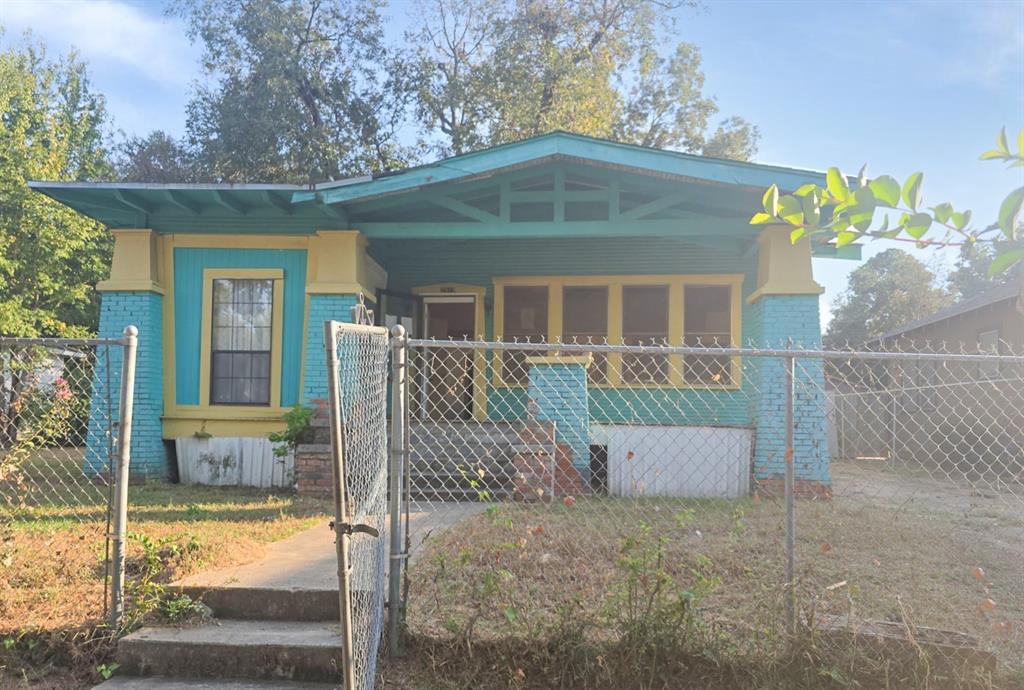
column 254, row 650
column 268, row 603
column 161, row 683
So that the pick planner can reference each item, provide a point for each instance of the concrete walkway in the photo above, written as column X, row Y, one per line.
column 306, row 561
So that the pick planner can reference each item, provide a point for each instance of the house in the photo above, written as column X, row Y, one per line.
column 939, row 414
column 990, row 322
column 554, row 237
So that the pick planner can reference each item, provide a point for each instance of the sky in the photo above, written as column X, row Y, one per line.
column 902, row 86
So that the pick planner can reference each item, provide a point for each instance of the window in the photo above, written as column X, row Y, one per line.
column 707, row 322
column 525, row 320
column 240, row 352
column 585, row 321
column 988, row 343
column 645, row 322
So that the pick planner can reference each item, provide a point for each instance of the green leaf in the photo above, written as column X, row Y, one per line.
column 511, row 615
column 845, row 237
column 837, row 186
column 1005, row 260
column 943, row 212
column 770, row 201
column 960, row 220
column 862, row 177
column 795, row 235
column 1009, row 213
column 790, row 210
column 912, row 191
column 1020, row 142
column 863, row 212
column 917, row 225
column 1001, row 143
column 992, row 155
column 762, row 219
column 886, row 190
column 805, row 189
column 811, row 206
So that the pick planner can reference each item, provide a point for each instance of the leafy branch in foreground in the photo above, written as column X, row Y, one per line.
column 847, row 213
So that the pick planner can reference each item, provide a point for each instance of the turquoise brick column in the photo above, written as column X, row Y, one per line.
column 321, row 308
column 559, row 393
column 148, row 453
column 777, row 321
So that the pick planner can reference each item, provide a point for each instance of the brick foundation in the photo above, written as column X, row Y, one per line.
column 535, row 479
column 313, row 475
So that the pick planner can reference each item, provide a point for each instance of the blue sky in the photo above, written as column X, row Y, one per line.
column 902, row 86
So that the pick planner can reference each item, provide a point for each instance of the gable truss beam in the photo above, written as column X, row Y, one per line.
column 464, row 209
column 651, row 207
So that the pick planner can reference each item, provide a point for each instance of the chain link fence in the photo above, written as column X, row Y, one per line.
column 358, row 371
column 872, row 500
column 59, row 403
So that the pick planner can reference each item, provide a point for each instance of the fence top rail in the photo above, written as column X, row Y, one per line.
column 338, row 326
column 795, row 353
column 9, row 341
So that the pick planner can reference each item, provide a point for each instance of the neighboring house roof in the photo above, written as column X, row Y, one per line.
column 722, row 193
column 1010, row 291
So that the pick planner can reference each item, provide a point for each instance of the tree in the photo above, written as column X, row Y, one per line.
column 295, row 91
column 889, row 290
column 837, row 211
column 494, row 72
column 158, row 157
column 971, row 276
column 51, row 128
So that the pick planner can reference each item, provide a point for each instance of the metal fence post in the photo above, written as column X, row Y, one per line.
column 396, row 562
column 341, row 518
column 124, row 443
column 790, row 500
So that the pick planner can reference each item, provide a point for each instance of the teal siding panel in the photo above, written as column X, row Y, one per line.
column 321, row 308
column 189, row 264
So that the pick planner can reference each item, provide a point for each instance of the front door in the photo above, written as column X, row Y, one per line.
column 447, row 391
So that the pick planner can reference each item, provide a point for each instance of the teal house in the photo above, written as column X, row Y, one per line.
column 558, row 237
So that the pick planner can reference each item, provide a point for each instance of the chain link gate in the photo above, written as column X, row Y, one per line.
column 357, row 369
column 65, row 436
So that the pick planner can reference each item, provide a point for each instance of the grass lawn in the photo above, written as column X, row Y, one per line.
column 491, row 599
column 51, row 566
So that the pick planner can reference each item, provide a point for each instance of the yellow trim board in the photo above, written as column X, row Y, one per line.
column 478, row 292
column 276, row 332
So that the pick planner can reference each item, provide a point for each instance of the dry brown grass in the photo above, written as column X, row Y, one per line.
column 52, row 575
column 912, row 561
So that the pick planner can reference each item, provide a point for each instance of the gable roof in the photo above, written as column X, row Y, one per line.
column 571, row 147
column 1012, row 290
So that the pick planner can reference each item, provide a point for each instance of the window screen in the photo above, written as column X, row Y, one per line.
column 240, row 355
column 645, row 322
column 525, row 320
column 707, row 322
column 585, row 321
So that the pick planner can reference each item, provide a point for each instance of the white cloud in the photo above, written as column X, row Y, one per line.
column 117, row 33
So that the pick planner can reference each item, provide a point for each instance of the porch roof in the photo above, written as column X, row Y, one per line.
column 554, row 185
